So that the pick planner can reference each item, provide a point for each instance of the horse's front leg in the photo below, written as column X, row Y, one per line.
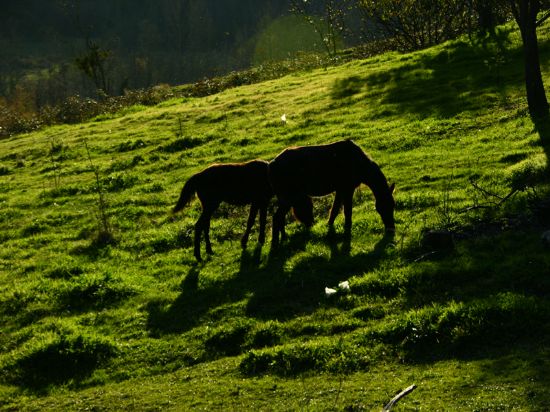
column 249, row 223
column 335, row 209
column 279, row 223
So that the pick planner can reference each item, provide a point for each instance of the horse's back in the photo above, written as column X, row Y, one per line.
column 317, row 170
column 236, row 183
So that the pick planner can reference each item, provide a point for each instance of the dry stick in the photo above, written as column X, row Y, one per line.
column 487, row 193
column 101, row 201
column 398, row 397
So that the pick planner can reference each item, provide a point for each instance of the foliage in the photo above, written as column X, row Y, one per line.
column 529, row 173
column 416, row 24
column 139, row 322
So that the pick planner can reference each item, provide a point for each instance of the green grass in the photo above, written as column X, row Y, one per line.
column 133, row 322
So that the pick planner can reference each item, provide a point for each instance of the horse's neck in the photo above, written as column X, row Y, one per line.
column 375, row 179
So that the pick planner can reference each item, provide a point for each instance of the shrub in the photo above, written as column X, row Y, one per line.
column 439, row 330
column 182, row 143
column 268, row 334
column 65, row 269
column 291, row 360
column 228, row 340
column 93, row 291
column 56, row 355
column 119, row 182
column 130, row 145
column 529, row 173
column 4, row 170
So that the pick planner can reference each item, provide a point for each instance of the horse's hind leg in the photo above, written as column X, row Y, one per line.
column 263, row 220
column 208, row 217
column 249, row 224
column 198, row 232
column 347, row 200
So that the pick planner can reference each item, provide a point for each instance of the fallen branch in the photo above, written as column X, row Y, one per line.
column 398, row 397
column 487, row 194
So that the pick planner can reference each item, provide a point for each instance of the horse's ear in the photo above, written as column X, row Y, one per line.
column 392, row 187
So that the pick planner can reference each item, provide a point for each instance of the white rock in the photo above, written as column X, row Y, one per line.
column 329, row 292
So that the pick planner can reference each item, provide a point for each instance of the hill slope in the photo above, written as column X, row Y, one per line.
column 130, row 321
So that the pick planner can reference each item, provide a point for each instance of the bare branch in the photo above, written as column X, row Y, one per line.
column 398, row 397
column 543, row 19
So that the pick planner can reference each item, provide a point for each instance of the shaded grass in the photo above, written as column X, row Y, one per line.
column 139, row 322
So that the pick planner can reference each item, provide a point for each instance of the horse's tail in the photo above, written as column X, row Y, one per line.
column 187, row 193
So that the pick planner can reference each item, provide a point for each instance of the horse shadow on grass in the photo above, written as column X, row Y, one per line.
column 285, row 284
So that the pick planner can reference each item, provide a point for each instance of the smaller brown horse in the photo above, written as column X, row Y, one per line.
column 298, row 173
column 234, row 183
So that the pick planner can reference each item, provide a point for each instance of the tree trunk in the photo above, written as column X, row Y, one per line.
column 536, row 96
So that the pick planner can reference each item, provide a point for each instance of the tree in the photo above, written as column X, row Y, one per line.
column 528, row 18
column 92, row 64
column 327, row 17
column 416, row 24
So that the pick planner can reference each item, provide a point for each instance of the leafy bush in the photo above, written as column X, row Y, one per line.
column 12, row 122
column 529, row 173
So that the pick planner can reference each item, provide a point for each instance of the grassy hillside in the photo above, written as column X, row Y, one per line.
column 131, row 321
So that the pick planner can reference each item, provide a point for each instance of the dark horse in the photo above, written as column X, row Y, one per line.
column 298, row 173
column 234, row 183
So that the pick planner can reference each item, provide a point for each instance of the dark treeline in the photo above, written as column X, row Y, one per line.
column 141, row 42
column 60, row 60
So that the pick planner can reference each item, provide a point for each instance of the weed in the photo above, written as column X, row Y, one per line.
column 104, row 233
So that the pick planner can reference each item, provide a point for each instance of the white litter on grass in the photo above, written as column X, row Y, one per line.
column 283, row 118
column 329, row 292
column 344, row 285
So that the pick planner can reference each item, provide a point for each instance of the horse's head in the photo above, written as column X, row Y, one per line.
column 385, row 204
